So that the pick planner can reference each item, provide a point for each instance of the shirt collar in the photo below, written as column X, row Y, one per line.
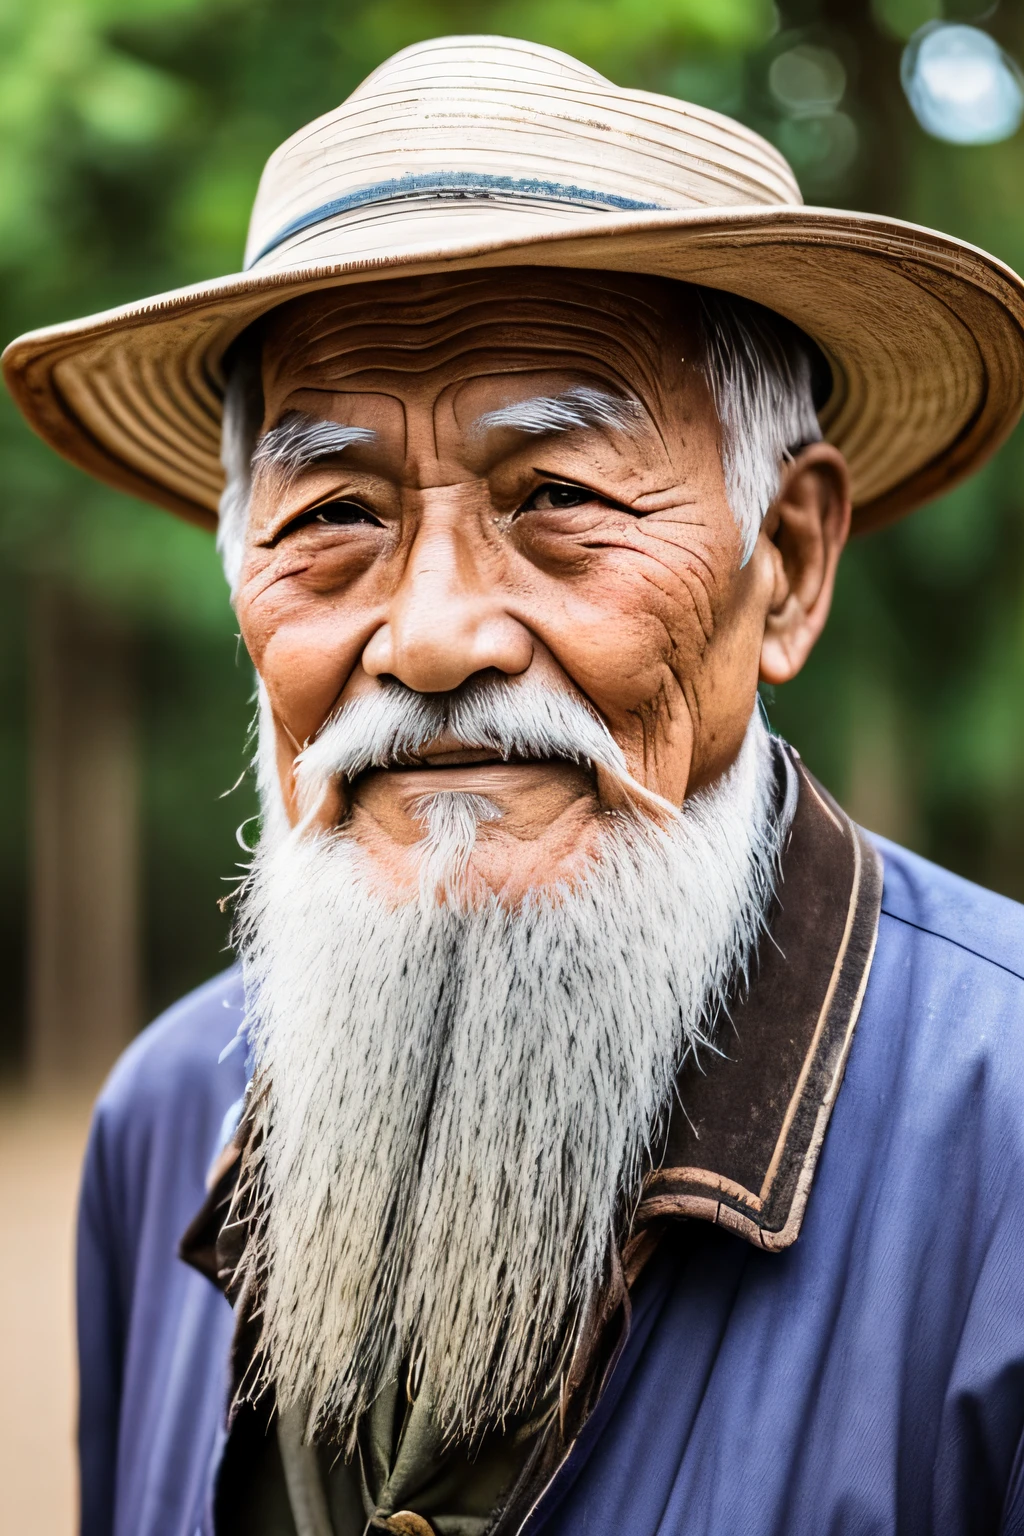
column 748, row 1124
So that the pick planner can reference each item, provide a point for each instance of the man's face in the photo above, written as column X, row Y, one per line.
column 461, row 480
column 445, row 543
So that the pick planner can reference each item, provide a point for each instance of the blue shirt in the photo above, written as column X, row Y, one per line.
column 867, row 1379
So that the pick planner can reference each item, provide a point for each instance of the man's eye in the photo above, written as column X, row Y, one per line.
column 339, row 513
column 547, row 498
column 334, row 514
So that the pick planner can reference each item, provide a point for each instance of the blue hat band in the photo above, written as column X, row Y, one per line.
column 454, row 184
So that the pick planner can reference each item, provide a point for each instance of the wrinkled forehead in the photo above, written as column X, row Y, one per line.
column 636, row 334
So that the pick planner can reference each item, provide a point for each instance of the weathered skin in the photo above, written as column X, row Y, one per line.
column 460, row 560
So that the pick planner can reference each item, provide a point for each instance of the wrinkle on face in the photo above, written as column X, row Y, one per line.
column 476, row 325
column 526, row 319
column 623, row 598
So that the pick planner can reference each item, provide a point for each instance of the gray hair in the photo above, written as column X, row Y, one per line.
column 760, row 370
column 758, row 367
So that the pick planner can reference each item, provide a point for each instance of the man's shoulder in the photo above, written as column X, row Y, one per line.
column 176, row 1063
column 158, row 1123
column 924, row 897
column 932, row 1106
column 943, row 1017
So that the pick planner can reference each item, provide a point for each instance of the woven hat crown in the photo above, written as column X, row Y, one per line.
column 477, row 121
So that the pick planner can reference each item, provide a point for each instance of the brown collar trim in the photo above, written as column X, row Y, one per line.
column 743, row 1148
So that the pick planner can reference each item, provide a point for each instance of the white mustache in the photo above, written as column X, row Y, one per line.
column 513, row 718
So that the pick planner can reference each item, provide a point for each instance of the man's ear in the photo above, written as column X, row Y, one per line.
column 807, row 524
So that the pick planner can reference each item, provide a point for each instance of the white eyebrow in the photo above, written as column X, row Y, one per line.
column 572, row 409
column 300, row 440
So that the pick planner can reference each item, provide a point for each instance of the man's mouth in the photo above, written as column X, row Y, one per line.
column 479, row 770
column 527, row 789
column 460, row 757
column 450, row 751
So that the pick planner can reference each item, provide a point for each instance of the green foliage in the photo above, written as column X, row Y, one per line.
column 624, row 38
column 132, row 135
column 903, row 17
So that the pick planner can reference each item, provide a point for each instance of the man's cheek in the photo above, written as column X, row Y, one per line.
column 266, row 599
column 621, row 639
column 304, row 669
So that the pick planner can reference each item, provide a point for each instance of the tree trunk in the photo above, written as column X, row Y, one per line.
column 84, row 925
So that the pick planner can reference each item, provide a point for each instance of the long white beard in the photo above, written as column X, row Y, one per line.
column 454, row 1108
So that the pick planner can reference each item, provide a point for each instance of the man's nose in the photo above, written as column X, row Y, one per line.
column 447, row 618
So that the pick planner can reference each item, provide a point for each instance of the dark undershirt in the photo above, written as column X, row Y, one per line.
column 403, row 1465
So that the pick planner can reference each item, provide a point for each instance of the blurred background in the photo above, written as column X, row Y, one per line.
column 132, row 135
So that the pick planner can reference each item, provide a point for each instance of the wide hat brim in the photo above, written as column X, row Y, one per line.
column 924, row 335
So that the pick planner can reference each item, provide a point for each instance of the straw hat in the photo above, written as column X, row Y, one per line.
column 484, row 151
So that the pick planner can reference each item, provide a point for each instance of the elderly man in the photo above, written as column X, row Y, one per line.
column 532, row 1174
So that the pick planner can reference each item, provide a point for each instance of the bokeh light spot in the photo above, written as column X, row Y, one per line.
column 819, row 148
column 807, row 79
column 961, row 85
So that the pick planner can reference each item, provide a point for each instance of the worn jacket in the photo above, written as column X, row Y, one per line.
column 829, row 1336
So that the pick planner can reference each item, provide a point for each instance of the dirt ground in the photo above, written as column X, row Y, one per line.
column 41, row 1142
